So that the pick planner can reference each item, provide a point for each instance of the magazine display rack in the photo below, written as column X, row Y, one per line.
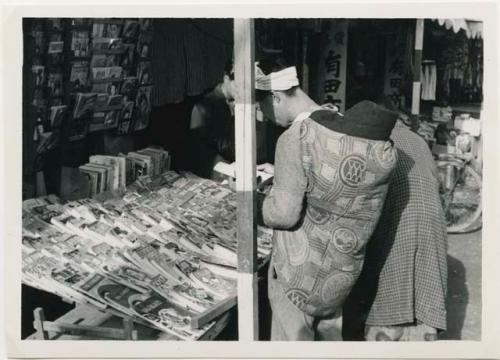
column 82, row 75
column 162, row 252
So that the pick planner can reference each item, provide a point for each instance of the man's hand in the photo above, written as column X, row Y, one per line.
column 267, row 168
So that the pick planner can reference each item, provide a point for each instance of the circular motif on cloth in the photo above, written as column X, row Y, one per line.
column 344, row 240
column 352, row 170
column 385, row 158
column 317, row 215
column 297, row 297
column 336, row 288
column 297, row 247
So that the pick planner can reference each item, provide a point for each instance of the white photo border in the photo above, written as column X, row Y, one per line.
column 11, row 144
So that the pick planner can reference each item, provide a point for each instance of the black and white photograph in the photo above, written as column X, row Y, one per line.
column 263, row 179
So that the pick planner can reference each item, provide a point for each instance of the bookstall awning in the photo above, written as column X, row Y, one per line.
column 473, row 28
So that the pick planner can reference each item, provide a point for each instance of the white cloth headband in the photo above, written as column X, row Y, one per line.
column 280, row 80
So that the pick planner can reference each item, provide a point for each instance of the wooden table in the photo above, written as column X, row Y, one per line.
column 90, row 316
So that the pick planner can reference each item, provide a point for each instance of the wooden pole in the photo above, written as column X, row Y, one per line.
column 417, row 66
column 39, row 318
column 245, row 179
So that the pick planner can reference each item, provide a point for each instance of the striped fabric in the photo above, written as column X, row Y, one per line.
column 405, row 271
column 187, row 58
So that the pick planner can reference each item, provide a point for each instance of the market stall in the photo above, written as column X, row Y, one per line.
column 134, row 240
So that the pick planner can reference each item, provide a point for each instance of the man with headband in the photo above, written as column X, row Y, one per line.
column 331, row 173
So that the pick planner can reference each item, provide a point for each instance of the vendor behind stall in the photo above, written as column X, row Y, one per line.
column 211, row 130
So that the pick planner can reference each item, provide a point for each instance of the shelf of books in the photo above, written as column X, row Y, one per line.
column 148, row 243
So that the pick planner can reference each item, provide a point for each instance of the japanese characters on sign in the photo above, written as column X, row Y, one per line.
column 394, row 70
column 335, row 61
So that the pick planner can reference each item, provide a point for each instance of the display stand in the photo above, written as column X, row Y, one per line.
column 86, row 322
column 62, row 327
column 209, row 315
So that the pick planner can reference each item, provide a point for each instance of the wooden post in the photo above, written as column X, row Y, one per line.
column 305, row 68
column 245, row 178
column 417, row 66
column 128, row 329
column 39, row 316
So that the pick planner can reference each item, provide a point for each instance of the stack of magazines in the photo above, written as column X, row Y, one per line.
column 162, row 252
column 109, row 173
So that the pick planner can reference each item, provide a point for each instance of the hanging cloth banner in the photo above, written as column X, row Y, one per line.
column 473, row 29
column 333, row 67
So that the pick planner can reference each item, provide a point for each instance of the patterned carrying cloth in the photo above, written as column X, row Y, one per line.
column 346, row 162
column 405, row 273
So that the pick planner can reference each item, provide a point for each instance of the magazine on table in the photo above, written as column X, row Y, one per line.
column 55, row 83
column 104, row 60
column 129, row 88
column 84, row 104
column 114, row 99
column 166, row 316
column 78, row 127
column 125, row 118
column 55, row 47
column 144, row 72
column 80, row 43
column 130, row 29
column 101, row 102
column 144, row 45
column 79, row 75
column 39, row 74
column 143, row 107
column 118, row 165
column 128, row 57
column 107, row 45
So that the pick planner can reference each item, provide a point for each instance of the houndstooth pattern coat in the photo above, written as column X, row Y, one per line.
column 404, row 278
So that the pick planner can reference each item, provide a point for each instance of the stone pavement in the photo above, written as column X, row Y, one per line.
column 464, row 287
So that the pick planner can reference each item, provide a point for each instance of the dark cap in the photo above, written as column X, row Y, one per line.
column 365, row 119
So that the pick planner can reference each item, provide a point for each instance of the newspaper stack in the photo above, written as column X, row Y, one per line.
column 162, row 252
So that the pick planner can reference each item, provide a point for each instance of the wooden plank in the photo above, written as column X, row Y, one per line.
column 90, row 316
column 41, row 333
column 128, row 328
column 245, row 178
column 84, row 330
column 220, row 324
column 417, row 66
column 207, row 316
column 85, row 315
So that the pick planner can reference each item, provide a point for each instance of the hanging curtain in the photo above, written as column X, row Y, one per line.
column 188, row 57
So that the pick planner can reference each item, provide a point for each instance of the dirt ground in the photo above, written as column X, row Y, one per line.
column 464, row 287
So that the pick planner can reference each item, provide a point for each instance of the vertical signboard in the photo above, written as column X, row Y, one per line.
column 334, row 64
column 394, row 65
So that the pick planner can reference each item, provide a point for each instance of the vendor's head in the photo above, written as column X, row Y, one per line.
column 228, row 86
column 277, row 90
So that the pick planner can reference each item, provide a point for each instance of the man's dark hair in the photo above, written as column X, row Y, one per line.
column 269, row 65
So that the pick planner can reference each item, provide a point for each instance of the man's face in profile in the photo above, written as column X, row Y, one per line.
column 230, row 92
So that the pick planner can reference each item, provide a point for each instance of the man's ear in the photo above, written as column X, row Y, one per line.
column 276, row 96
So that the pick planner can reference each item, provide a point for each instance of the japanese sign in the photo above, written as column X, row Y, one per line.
column 334, row 64
column 394, row 67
